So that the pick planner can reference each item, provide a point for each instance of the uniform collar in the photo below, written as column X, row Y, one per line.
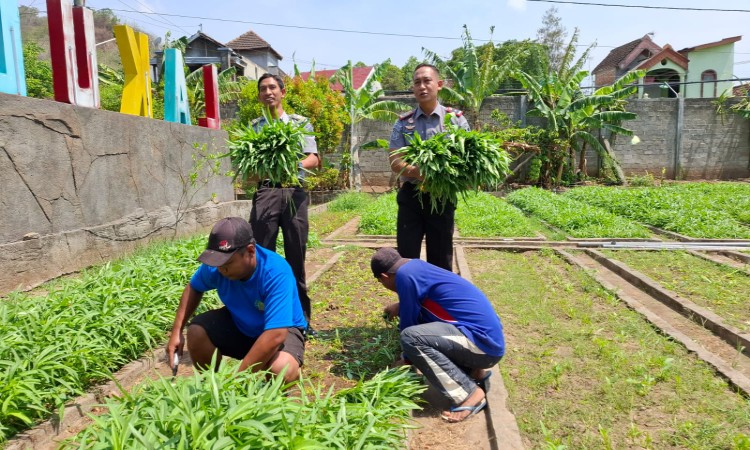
column 439, row 110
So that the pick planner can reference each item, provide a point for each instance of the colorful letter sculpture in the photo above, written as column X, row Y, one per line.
column 211, row 92
column 73, row 53
column 12, row 73
column 136, row 94
column 176, row 108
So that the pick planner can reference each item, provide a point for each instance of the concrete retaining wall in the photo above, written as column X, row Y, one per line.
column 709, row 147
column 79, row 186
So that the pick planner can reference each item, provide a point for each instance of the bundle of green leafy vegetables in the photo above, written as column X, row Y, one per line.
column 455, row 162
column 271, row 153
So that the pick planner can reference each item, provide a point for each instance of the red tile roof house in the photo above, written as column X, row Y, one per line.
column 703, row 67
column 359, row 74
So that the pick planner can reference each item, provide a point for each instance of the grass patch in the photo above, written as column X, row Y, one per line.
column 354, row 342
column 584, row 371
column 341, row 210
column 702, row 210
column 719, row 288
column 379, row 218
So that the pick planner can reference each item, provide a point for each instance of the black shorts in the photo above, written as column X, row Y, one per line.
column 230, row 341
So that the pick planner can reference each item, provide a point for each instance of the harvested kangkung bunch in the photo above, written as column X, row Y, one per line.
column 272, row 153
column 456, row 161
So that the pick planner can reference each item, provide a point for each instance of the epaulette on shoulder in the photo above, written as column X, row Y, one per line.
column 298, row 118
column 407, row 115
column 256, row 121
column 456, row 112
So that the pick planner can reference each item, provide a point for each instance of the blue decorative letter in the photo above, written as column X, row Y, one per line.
column 12, row 73
column 176, row 108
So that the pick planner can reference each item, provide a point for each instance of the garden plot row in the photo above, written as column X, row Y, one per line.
column 585, row 371
column 696, row 210
column 71, row 334
column 213, row 411
column 53, row 347
column 186, row 265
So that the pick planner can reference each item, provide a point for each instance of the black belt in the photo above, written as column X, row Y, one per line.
column 268, row 184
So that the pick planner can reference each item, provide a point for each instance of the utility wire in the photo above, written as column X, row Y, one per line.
column 677, row 8
column 162, row 23
column 376, row 33
column 161, row 16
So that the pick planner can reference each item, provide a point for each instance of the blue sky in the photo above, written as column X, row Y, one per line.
column 286, row 25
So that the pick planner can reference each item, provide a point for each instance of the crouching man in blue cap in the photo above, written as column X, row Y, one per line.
column 449, row 330
column 261, row 323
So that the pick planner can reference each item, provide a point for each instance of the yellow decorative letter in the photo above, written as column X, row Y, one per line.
column 136, row 94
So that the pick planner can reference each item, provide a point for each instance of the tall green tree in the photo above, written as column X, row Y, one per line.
column 326, row 109
column 552, row 35
column 408, row 70
column 476, row 76
column 393, row 78
column 363, row 103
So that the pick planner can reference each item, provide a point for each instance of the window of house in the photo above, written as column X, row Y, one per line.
column 708, row 84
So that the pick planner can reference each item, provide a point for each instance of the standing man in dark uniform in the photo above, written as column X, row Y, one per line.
column 277, row 206
column 415, row 218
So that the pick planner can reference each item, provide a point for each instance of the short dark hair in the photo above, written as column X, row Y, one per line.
column 426, row 65
column 278, row 79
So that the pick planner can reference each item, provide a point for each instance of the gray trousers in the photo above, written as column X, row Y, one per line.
column 445, row 356
column 285, row 208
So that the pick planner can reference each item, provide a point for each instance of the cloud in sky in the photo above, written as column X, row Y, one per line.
column 518, row 5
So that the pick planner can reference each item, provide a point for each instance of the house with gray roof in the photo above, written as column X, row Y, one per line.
column 255, row 49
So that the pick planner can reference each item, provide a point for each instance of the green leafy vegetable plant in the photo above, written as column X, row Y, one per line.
column 271, row 153
column 577, row 218
column 53, row 347
column 226, row 409
column 456, row 161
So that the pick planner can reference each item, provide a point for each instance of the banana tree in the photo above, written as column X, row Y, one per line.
column 610, row 118
column 573, row 116
column 476, row 75
column 364, row 103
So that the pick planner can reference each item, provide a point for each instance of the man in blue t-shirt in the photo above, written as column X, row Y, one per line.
column 261, row 323
column 449, row 330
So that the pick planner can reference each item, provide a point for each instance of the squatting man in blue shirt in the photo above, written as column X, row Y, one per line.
column 449, row 330
column 261, row 322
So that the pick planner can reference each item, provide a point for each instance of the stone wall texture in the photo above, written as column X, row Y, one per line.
column 79, row 186
column 709, row 146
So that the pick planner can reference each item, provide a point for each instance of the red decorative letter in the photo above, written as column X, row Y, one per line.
column 211, row 92
column 73, row 53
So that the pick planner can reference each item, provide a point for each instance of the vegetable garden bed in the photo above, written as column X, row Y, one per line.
column 698, row 210
column 584, row 371
column 722, row 289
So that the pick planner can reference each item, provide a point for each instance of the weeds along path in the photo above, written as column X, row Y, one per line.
column 585, row 370
column 698, row 329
